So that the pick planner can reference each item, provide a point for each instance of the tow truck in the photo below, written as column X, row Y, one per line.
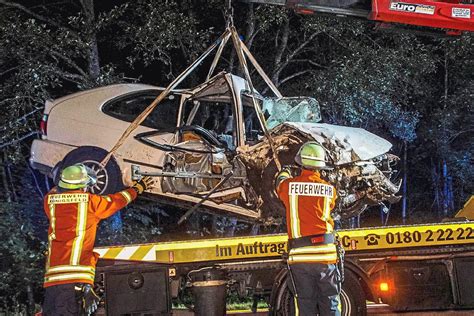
column 410, row 268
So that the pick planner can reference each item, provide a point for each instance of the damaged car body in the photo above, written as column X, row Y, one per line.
column 207, row 147
column 220, row 155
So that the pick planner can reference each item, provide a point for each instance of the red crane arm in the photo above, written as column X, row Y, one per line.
column 448, row 15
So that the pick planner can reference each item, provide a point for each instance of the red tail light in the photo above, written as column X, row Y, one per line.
column 44, row 124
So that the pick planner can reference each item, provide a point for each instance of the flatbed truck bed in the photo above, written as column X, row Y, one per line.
column 411, row 268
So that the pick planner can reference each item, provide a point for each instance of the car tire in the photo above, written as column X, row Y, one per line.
column 109, row 179
column 352, row 298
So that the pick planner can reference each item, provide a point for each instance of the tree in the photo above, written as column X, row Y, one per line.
column 22, row 253
column 447, row 147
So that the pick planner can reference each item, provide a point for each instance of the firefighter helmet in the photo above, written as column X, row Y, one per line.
column 77, row 176
column 311, row 156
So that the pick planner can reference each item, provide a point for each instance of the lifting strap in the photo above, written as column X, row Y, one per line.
column 140, row 118
column 242, row 52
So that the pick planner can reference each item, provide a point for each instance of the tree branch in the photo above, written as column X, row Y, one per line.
column 18, row 97
column 372, row 40
column 21, row 118
column 290, row 56
column 279, row 54
column 337, row 41
column 16, row 141
column 77, row 79
column 309, row 61
column 69, row 62
column 50, row 4
column 29, row 12
column 8, row 70
column 296, row 74
column 453, row 137
column 250, row 26
column 302, row 45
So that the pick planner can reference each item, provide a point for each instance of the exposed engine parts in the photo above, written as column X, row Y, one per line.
column 359, row 183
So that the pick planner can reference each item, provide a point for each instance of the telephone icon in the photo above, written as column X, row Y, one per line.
column 372, row 239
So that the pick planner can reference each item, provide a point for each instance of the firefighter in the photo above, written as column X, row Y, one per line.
column 73, row 217
column 314, row 277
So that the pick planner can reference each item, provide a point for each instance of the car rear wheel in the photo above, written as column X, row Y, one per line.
column 109, row 178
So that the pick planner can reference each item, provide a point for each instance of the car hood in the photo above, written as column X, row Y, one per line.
column 344, row 144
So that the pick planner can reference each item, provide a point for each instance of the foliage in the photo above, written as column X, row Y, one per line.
column 39, row 61
column 445, row 129
column 156, row 31
column 22, row 254
column 141, row 223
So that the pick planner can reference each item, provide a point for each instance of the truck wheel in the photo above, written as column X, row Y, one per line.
column 352, row 299
column 352, row 296
column 109, row 179
column 286, row 306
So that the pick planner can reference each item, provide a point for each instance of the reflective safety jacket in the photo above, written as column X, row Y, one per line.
column 73, row 219
column 308, row 201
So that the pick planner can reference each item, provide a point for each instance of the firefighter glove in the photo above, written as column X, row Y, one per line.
column 88, row 300
column 143, row 184
column 284, row 174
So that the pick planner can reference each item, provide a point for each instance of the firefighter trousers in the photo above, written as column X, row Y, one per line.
column 60, row 300
column 317, row 289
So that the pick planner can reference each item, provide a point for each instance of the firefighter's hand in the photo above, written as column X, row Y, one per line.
column 89, row 300
column 142, row 185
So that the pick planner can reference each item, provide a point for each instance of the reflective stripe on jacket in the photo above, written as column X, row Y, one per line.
column 73, row 219
column 309, row 200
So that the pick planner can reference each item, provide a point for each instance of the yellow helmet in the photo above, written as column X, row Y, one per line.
column 77, row 176
column 311, row 156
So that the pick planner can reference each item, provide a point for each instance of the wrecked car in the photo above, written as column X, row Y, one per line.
column 207, row 146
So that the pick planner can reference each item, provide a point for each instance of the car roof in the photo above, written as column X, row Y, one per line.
column 112, row 90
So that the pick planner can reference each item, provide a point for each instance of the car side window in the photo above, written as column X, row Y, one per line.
column 127, row 108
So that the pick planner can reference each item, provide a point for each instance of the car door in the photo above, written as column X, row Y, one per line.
column 159, row 126
column 204, row 141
